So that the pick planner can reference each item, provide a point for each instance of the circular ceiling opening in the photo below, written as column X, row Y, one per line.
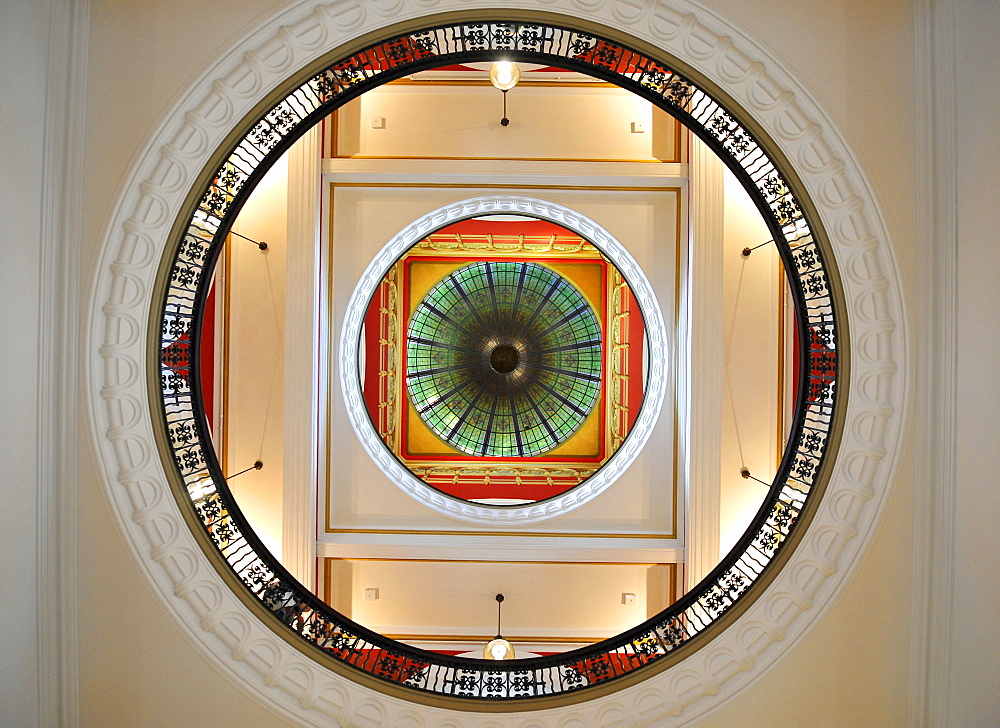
column 299, row 614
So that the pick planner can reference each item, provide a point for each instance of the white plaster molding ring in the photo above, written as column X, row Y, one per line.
column 268, row 667
column 730, row 583
column 413, row 486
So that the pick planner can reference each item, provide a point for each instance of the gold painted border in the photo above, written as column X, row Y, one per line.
column 783, row 395
column 479, row 639
column 529, row 534
column 406, row 81
column 509, row 159
column 227, row 262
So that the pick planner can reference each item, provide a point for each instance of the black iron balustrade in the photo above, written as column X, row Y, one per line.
column 302, row 612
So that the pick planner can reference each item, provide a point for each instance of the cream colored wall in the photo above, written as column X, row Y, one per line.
column 852, row 668
column 858, row 61
column 750, row 396
column 255, row 354
column 136, row 666
column 546, row 122
column 155, row 700
column 576, row 601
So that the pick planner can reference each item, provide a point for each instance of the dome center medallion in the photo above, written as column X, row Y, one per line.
column 504, row 359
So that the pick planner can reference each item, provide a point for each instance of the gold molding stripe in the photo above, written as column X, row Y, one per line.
column 499, row 561
column 334, row 133
column 505, row 186
column 680, row 226
column 223, row 433
column 782, row 394
column 526, row 534
column 486, row 83
column 509, row 159
column 480, row 639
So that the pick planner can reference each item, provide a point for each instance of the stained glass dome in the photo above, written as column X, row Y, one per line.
column 503, row 359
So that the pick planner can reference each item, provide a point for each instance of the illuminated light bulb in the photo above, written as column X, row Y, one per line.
column 498, row 649
column 505, row 75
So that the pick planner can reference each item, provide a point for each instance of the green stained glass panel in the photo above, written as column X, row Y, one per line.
column 504, row 359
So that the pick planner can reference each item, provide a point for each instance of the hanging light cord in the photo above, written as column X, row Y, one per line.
column 727, row 380
column 256, row 466
column 504, row 121
column 277, row 359
column 745, row 472
column 746, row 251
column 261, row 245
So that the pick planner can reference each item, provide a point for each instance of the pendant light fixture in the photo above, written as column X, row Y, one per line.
column 505, row 75
column 498, row 648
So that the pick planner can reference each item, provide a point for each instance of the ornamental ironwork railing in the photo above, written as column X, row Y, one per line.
column 300, row 611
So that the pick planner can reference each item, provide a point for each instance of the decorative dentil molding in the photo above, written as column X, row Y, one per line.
column 269, row 668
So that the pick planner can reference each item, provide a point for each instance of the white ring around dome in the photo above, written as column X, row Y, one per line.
column 656, row 381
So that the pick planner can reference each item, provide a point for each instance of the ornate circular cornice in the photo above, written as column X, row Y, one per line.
column 656, row 381
column 271, row 668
